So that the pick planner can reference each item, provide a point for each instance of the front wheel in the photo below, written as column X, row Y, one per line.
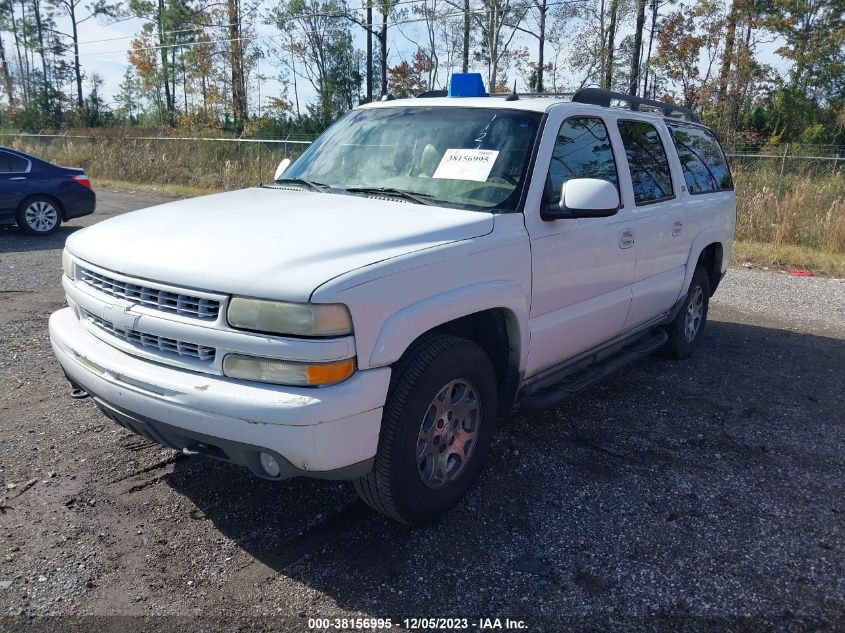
column 38, row 215
column 686, row 330
column 437, row 426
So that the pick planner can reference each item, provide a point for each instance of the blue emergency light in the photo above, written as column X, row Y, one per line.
column 467, row 85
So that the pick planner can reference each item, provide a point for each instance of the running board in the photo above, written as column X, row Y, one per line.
column 572, row 384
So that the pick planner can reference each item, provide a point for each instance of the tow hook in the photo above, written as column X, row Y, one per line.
column 78, row 394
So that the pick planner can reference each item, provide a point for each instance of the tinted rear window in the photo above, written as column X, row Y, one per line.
column 9, row 163
column 650, row 176
column 704, row 164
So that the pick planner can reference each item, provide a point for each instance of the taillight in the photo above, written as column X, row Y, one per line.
column 82, row 180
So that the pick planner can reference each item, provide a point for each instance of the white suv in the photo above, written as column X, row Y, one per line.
column 422, row 266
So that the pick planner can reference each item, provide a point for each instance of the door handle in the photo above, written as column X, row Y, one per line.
column 18, row 178
column 677, row 227
column 626, row 238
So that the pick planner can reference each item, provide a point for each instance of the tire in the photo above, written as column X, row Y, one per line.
column 408, row 482
column 686, row 331
column 39, row 215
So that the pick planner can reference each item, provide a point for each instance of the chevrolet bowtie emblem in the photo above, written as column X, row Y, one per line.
column 119, row 316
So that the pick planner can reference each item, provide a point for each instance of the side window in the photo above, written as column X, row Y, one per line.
column 704, row 164
column 9, row 163
column 650, row 175
column 582, row 150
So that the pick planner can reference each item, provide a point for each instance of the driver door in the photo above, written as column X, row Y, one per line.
column 582, row 268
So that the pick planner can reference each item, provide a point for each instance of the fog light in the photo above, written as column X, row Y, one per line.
column 269, row 464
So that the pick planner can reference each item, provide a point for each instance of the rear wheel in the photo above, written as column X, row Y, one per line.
column 38, row 215
column 437, row 426
column 686, row 330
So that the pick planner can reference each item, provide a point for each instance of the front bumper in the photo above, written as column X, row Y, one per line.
column 330, row 432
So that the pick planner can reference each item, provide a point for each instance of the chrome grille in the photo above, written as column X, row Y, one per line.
column 175, row 303
column 161, row 343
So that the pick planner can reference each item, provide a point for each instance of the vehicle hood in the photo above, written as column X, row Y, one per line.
column 269, row 243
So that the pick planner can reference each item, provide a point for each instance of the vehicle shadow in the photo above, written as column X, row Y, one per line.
column 667, row 487
column 13, row 240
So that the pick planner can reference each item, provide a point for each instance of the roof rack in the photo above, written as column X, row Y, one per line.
column 599, row 97
column 536, row 95
column 539, row 95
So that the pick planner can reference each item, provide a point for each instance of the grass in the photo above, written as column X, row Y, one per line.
column 791, row 209
column 761, row 254
column 200, row 165
column 176, row 191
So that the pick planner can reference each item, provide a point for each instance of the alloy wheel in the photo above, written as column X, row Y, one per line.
column 448, row 434
column 695, row 313
column 41, row 216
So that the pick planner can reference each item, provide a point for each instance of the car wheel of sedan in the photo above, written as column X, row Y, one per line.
column 39, row 216
column 437, row 426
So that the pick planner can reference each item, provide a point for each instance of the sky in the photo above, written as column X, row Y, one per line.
column 103, row 49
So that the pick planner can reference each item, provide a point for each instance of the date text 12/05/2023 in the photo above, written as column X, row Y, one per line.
column 415, row 624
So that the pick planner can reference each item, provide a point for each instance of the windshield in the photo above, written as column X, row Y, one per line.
column 473, row 158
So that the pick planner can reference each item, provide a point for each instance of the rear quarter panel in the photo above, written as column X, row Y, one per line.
column 75, row 199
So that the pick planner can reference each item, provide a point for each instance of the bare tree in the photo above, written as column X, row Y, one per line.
column 637, row 51
column 79, row 14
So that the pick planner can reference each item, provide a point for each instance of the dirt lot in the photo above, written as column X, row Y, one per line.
column 700, row 494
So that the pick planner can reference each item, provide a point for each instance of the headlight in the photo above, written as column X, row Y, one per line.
column 67, row 264
column 295, row 319
column 283, row 372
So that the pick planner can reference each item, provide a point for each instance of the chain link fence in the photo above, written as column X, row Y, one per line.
column 787, row 194
column 199, row 162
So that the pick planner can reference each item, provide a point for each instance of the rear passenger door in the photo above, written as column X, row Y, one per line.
column 14, row 183
column 660, row 234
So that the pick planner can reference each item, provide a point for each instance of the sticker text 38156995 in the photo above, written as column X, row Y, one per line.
column 466, row 164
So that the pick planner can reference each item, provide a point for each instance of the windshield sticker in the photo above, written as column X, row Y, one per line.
column 466, row 164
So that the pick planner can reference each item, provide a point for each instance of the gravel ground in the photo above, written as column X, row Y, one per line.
column 705, row 494
column 817, row 302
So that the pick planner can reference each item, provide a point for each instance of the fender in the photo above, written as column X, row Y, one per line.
column 404, row 326
column 701, row 241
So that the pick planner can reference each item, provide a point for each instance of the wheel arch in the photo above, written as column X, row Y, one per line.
column 711, row 259
column 493, row 315
column 707, row 250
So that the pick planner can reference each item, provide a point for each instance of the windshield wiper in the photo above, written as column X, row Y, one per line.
column 313, row 186
column 419, row 198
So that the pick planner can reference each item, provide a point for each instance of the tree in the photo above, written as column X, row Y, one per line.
column 386, row 8
column 95, row 106
column 539, row 11
column 688, row 40
column 129, row 96
column 316, row 36
column 498, row 24
column 637, row 49
column 594, row 54
column 813, row 32
column 236, row 61
column 610, row 46
column 409, row 80
column 79, row 14
column 170, row 24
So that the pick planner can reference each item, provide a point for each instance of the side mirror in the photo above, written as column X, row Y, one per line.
column 585, row 198
column 281, row 168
